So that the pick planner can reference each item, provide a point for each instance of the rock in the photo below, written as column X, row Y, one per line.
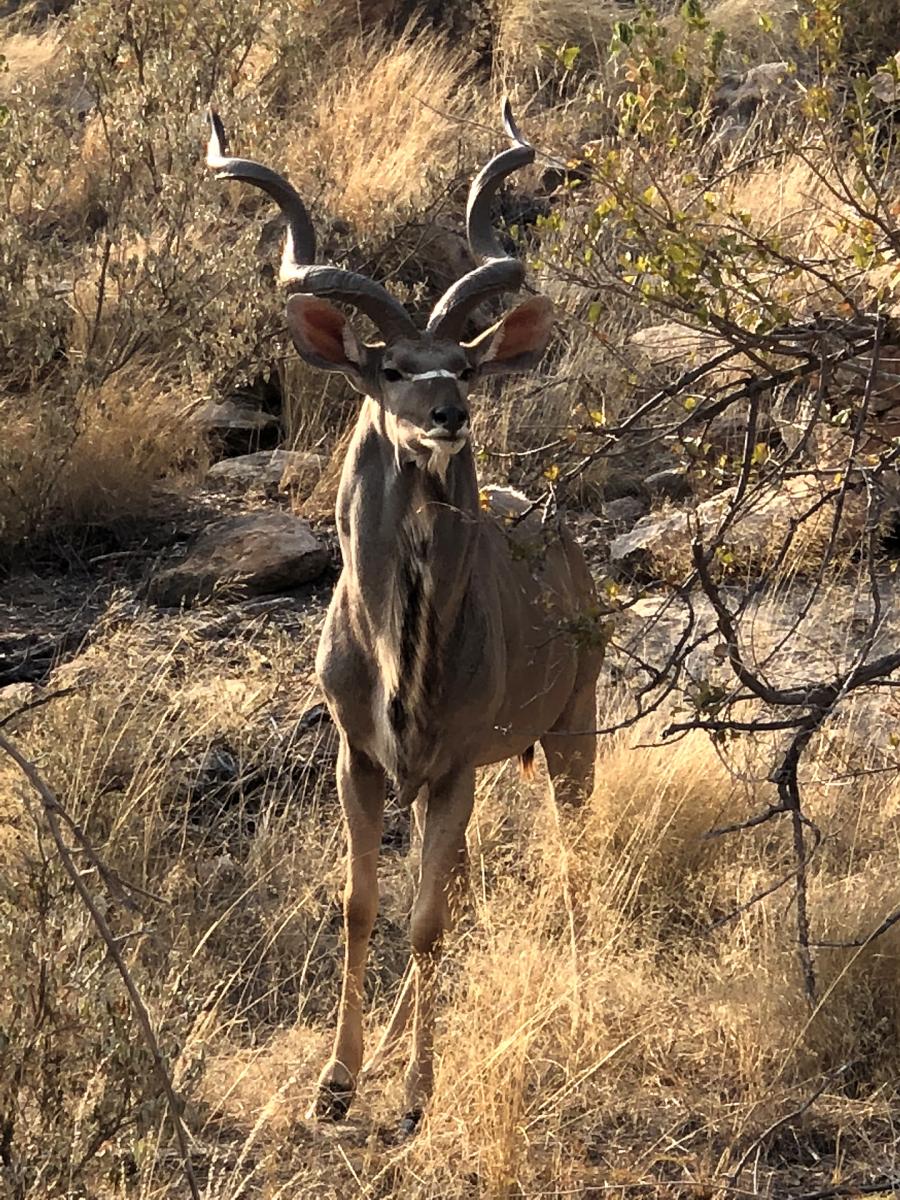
column 660, row 544
column 230, row 415
column 669, row 485
column 270, row 468
column 884, row 83
column 251, row 554
column 236, row 425
column 739, row 97
column 672, row 347
column 625, row 511
column 641, row 546
column 884, row 87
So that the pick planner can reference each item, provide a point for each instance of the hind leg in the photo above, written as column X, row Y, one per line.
column 571, row 745
column 570, row 749
column 440, row 883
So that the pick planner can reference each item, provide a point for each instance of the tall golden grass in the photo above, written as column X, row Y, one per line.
column 650, row 1054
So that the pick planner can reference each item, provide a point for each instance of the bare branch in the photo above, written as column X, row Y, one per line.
column 886, row 924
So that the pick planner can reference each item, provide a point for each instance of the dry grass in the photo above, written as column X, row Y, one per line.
column 529, row 31
column 98, row 458
column 740, row 20
column 798, row 200
column 30, row 59
column 381, row 136
column 656, row 1052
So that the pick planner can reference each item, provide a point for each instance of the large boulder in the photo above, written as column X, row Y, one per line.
column 739, row 97
column 251, row 554
column 236, row 425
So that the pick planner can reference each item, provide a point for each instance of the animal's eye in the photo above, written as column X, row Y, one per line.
column 391, row 374
column 466, row 374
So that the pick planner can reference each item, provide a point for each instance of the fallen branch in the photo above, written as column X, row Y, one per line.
column 780, row 1122
column 53, row 810
column 885, row 1186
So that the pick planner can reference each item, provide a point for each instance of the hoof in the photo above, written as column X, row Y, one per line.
column 409, row 1123
column 336, row 1088
column 332, row 1102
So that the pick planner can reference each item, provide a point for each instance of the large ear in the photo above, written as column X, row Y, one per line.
column 324, row 338
column 516, row 343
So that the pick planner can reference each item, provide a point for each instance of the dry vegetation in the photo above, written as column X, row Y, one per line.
column 670, row 1048
column 660, row 1050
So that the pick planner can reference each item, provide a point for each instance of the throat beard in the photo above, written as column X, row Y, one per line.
column 417, row 633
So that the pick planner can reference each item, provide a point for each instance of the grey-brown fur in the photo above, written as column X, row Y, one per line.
column 447, row 645
column 449, row 642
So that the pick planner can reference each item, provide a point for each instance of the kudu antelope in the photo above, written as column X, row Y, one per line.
column 453, row 639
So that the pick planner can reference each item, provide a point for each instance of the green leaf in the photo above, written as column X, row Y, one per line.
column 692, row 13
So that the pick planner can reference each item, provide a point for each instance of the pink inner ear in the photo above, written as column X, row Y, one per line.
column 524, row 330
column 318, row 327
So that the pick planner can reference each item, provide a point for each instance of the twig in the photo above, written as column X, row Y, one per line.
column 851, row 1189
column 788, row 785
column 886, row 924
column 52, row 810
column 33, row 704
column 755, row 899
column 735, row 1175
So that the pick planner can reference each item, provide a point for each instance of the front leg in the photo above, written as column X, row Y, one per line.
column 361, row 787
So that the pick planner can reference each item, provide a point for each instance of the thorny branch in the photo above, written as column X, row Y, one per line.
column 808, row 705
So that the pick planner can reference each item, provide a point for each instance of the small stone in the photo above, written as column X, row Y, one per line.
column 269, row 468
column 625, row 511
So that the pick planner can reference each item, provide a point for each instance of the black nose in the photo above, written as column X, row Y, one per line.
column 450, row 418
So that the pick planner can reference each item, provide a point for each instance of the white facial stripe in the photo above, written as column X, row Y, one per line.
column 434, row 375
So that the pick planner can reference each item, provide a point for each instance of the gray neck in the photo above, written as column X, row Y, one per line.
column 403, row 523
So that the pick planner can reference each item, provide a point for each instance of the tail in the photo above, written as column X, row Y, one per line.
column 526, row 763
